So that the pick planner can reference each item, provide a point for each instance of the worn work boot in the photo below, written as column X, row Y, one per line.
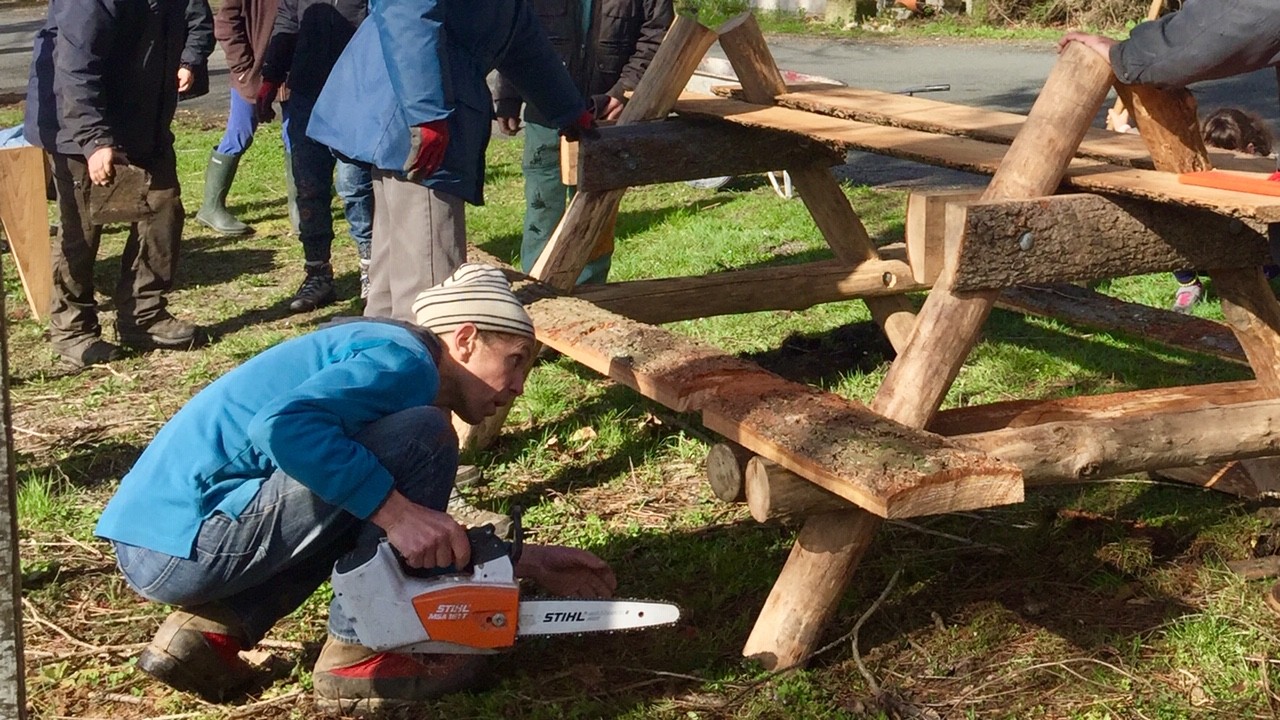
column 90, row 350
column 164, row 332
column 291, row 194
column 213, row 212
column 353, row 679
column 316, row 291
column 198, row 652
column 467, row 514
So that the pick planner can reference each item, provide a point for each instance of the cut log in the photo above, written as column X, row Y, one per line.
column 776, row 493
column 732, row 292
column 926, row 229
column 1090, row 408
column 950, row 320
column 727, row 470
column 881, row 466
column 1082, row 306
column 676, row 150
column 1076, row 451
column 1068, row 238
column 24, row 211
column 981, row 157
column 1170, row 126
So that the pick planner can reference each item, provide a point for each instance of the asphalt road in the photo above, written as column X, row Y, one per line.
column 994, row 75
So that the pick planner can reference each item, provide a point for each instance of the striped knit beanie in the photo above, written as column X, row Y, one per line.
column 476, row 294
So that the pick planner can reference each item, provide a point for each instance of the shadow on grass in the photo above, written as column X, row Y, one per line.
column 85, row 464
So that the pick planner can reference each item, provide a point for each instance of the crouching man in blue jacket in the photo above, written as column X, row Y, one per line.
column 408, row 97
column 238, row 509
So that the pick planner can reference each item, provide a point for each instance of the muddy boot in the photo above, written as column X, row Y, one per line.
column 291, row 194
column 164, row 332
column 89, row 350
column 198, row 652
column 213, row 213
column 353, row 679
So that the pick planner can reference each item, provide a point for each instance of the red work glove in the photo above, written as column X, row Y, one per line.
column 585, row 123
column 262, row 111
column 427, row 143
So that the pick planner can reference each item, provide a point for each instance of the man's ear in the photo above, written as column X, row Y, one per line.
column 465, row 340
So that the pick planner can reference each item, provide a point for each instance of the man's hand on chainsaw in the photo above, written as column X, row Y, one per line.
column 425, row 538
column 566, row 571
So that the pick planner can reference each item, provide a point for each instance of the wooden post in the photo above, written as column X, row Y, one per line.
column 830, row 546
column 590, row 214
column 13, row 700
column 761, row 80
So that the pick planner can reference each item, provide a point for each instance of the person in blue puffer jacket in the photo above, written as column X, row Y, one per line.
column 409, row 98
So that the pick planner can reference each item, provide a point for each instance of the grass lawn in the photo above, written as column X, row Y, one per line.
column 1107, row 601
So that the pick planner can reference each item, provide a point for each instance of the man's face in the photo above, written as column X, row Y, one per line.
column 494, row 374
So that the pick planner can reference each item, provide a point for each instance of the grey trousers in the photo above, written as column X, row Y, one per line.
column 419, row 239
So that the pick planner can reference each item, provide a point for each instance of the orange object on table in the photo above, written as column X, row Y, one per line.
column 1256, row 183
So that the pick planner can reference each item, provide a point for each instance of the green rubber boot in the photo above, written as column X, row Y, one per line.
column 213, row 213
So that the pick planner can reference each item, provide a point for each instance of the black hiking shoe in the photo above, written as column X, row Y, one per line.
column 90, row 351
column 316, row 291
column 165, row 332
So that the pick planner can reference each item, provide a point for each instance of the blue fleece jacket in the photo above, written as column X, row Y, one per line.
column 296, row 407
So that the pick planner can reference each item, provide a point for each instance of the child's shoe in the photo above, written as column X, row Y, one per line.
column 1187, row 296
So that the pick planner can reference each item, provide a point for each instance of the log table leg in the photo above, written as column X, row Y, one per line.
column 761, row 80
column 590, row 214
column 829, row 546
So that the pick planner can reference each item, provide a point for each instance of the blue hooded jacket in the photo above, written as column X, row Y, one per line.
column 416, row 61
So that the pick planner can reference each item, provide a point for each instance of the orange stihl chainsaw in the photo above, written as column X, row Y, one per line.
column 476, row 612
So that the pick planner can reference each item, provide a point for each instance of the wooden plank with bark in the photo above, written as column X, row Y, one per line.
column 977, row 156
column 1067, row 238
column 886, row 468
column 677, row 150
column 993, row 126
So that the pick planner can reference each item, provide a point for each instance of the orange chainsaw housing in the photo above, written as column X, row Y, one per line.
column 478, row 616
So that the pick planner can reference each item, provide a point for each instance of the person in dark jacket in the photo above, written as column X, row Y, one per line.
column 409, row 98
column 104, row 85
column 606, row 45
column 306, row 41
column 242, row 28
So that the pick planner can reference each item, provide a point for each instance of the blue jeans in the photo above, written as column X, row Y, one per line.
column 241, row 126
column 264, row 564
column 313, row 173
column 545, row 198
